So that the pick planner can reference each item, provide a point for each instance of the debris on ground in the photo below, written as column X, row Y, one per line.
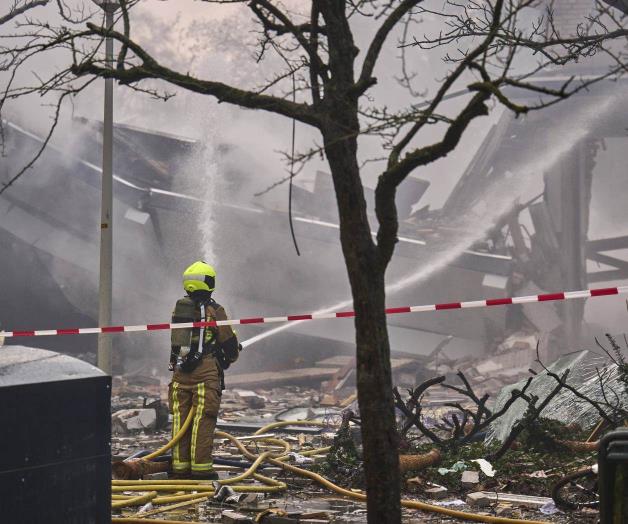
column 125, row 421
column 459, row 446
column 487, row 498
column 590, row 374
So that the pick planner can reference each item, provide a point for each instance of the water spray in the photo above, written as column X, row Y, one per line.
column 570, row 130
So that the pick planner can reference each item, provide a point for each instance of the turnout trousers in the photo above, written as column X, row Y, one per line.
column 200, row 389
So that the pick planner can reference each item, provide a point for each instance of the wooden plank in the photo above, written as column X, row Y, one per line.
column 486, row 498
column 275, row 378
column 340, row 361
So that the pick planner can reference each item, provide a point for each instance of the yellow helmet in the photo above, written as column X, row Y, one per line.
column 199, row 277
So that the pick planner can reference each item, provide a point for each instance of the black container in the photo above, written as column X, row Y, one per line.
column 55, row 439
column 613, row 477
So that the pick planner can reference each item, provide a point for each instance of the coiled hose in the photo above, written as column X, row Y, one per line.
column 588, row 473
column 277, row 459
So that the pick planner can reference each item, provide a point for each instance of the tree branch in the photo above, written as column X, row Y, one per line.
column 365, row 80
column 150, row 69
column 17, row 11
column 414, row 419
column 466, row 62
column 314, row 69
column 288, row 27
column 41, row 149
column 388, row 182
column 124, row 49
column 532, row 414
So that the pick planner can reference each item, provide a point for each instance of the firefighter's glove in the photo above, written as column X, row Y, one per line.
column 190, row 363
column 174, row 356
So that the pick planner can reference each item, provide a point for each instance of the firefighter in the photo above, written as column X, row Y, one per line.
column 198, row 359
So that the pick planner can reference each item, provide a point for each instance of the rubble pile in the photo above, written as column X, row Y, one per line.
column 510, row 363
column 243, row 411
column 586, row 369
column 495, row 439
column 458, row 477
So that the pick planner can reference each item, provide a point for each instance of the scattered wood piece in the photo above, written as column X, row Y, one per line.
column 486, row 498
column 287, row 376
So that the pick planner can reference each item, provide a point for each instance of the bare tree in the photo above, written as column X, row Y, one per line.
column 622, row 5
column 15, row 10
column 326, row 84
column 464, row 423
column 19, row 7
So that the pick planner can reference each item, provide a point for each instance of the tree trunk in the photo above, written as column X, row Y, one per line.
column 366, row 276
column 379, row 436
column 340, row 129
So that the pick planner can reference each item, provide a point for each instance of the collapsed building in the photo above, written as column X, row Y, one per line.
column 537, row 241
column 538, row 209
column 499, row 233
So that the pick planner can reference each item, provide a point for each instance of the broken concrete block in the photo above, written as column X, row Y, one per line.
column 226, row 494
column 438, row 493
column 161, row 411
column 129, row 420
column 250, row 398
column 478, row 499
column 233, row 517
column 470, row 478
column 250, row 499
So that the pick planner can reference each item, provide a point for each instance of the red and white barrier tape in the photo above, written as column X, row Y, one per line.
column 566, row 295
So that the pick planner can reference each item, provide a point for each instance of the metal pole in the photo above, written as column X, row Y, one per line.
column 106, row 222
column 576, row 198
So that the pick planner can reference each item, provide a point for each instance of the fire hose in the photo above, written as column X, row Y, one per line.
column 270, row 485
column 561, row 500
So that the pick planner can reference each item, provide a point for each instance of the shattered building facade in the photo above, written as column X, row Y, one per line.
column 538, row 209
column 536, row 240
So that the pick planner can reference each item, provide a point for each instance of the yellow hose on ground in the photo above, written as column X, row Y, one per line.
column 277, row 460
column 169, row 482
column 284, row 423
column 170, row 507
column 248, row 472
column 174, row 439
column 412, row 504
column 272, row 486
column 167, row 499
column 310, row 452
column 135, row 501
column 139, row 520
column 163, row 487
